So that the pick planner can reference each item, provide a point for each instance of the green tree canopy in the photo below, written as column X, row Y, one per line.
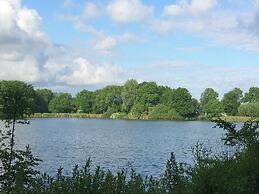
column 42, row 99
column 231, row 101
column 249, row 109
column 206, row 96
column 148, row 94
column 181, row 101
column 252, row 95
column 166, row 95
column 62, row 103
column 108, row 97
column 213, row 108
column 84, row 101
column 128, row 94
column 196, row 106
column 16, row 100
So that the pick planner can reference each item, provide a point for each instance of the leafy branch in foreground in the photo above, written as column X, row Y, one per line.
column 16, row 166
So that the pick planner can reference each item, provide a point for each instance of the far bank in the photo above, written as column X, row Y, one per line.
column 122, row 116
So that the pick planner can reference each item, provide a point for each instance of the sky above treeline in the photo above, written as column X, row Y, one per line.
column 69, row 45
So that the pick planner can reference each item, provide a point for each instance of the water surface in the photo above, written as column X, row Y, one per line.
column 113, row 144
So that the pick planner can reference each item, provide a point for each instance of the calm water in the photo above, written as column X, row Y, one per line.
column 113, row 144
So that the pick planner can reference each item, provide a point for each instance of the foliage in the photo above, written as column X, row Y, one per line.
column 213, row 108
column 16, row 166
column 249, row 109
column 252, row 95
column 19, row 175
column 208, row 95
column 137, row 110
column 128, row 94
column 84, row 101
column 148, row 94
column 42, row 99
column 16, row 100
column 108, row 98
column 181, row 101
column 196, row 106
column 166, row 95
column 231, row 101
column 137, row 100
column 161, row 111
column 62, row 103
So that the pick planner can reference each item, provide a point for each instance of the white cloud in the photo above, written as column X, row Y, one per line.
column 27, row 54
column 22, row 42
column 83, row 72
column 91, row 10
column 164, row 26
column 195, row 7
column 106, row 45
column 173, row 10
column 128, row 11
column 224, row 26
column 25, row 69
column 198, row 7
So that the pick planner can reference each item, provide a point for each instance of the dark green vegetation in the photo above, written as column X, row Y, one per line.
column 148, row 100
column 227, row 172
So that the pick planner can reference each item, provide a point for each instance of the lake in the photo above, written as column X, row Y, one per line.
column 114, row 144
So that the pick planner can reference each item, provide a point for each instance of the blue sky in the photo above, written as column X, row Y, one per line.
column 67, row 45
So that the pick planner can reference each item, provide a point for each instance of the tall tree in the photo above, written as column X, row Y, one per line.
column 62, row 103
column 166, row 95
column 249, row 109
column 207, row 95
column 213, row 108
column 148, row 94
column 42, row 99
column 128, row 94
column 182, row 102
column 252, row 95
column 231, row 101
column 84, row 101
column 108, row 98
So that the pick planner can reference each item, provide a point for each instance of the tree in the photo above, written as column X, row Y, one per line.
column 196, row 106
column 231, row 101
column 181, row 101
column 252, row 95
column 213, row 108
column 108, row 98
column 42, row 99
column 148, row 94
column 128, row 94
column 166, row 95
column 207, row 95
column 84, row 101
column 62, row 103
column 137, row 110
column 249, row 109
column 16, row 104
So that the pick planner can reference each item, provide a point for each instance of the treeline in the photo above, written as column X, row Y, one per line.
column 149, row 100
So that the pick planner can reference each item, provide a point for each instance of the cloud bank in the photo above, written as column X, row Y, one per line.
column 27, row 54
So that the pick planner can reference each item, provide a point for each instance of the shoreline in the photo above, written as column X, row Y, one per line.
column 100, row 116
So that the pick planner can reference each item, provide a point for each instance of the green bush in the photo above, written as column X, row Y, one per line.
column 249, row 109
column 163, row 112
